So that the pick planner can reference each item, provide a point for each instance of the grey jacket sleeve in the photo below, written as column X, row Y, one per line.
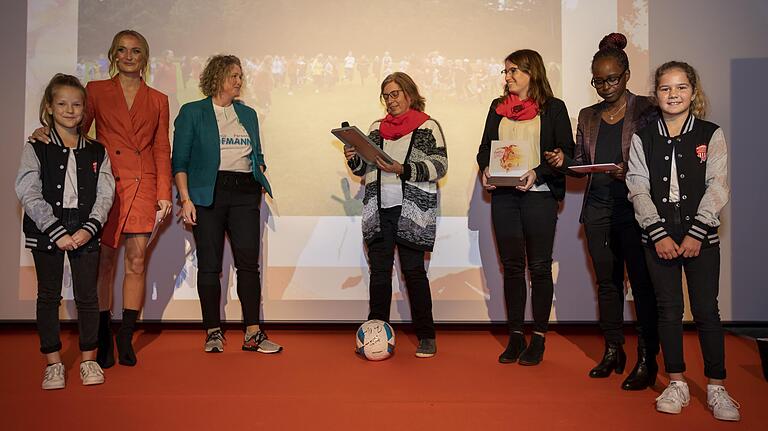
column 639, row 185
column 105, row 194
column 717, row 191
column 29, row 189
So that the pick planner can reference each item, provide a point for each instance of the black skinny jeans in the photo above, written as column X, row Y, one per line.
column 381, row 258
column 702, row 275
column 235, row 212
column 524, row 225
column 610, row 247
column 49, row 267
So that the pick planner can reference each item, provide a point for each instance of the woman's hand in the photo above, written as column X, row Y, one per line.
column 619, row 174
column 393, row 168
column 667, row 249
column 527, row 179
column 66, row 243
column 484, row 180
column 188, row 213
column 40, row 134
column 690, row 247
column 81, row 237
column 165, row 207
column 555, row 158
column 349, row 152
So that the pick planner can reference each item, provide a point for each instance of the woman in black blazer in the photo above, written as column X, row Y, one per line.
column 524, row 217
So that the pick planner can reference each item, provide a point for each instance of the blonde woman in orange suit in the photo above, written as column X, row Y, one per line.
column 132, row 122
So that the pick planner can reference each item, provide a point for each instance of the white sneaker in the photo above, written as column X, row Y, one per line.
column 674, row 398
column 722, row 405
column 54, row 376
column 91, row 373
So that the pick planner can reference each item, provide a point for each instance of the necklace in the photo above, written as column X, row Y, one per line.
column 614, row 113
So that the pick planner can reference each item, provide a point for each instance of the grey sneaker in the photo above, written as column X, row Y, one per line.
column 722, row 405
column 54, row 376
column 91, row 373
column 214, row 342
column 427, row 348
column 259, row 342
column 674, row 398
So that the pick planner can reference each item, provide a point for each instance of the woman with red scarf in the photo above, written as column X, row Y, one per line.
column 524, row 217
column 400, row 202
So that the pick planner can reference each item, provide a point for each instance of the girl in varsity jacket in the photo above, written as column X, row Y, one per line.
column 677, row 182
column 66, row 189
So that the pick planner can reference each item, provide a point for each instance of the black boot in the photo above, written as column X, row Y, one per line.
column 105, row 355
column 644, row 373
column 534, row 353
column 125, row 353
column 614, row 359
column 514, row 348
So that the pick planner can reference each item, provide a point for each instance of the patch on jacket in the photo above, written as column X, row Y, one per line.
column 701, row 153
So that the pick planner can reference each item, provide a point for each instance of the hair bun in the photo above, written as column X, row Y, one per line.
column 613, row 40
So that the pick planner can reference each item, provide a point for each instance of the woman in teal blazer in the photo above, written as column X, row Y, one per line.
column 219, row 171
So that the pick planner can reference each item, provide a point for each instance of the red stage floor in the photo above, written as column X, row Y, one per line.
column 318, row 383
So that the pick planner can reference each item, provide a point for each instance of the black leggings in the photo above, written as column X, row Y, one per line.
column 524, row 225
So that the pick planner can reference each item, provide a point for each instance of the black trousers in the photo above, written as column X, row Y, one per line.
column 524, row 225
column 702, row 275
column 49, row 266
column 381, row 258
column 610, row 247
column 235, row 212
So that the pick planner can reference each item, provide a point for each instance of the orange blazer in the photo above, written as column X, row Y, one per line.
column 139, row 149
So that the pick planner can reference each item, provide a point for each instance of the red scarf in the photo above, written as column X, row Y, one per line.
column 518, row 110
column 393, row 128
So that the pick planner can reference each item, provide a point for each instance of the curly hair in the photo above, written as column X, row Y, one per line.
column 59, row 80
column 418, row 102
column 215, row 72
column 112, row 54
column 612, row 46
column 699, row 104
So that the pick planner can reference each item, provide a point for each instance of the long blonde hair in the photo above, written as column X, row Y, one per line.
column 699, row 104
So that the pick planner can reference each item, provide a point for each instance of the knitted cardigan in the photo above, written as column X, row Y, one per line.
column 425, row 163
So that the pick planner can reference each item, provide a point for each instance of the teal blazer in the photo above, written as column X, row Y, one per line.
column 197, row 152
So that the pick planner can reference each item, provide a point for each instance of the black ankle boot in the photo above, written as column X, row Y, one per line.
column 614, row 359
column 125, row 353
column 644, row 373
column 105, row 355
column 514, row 348
column 534, row 353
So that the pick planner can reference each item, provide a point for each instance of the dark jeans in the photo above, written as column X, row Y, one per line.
column 524, row 225
column 49, row 266
column 702, row 275
column 235, row 211
column 381, row 257
column 610, row 247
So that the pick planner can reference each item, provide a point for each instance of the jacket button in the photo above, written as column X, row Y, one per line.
column 663, row 199
column 137, row 180
column 666, row 157
column 669, row 141
column 50, row 247
column 687, row 217
column 138, row 152
column 64, row 150
column 117, row 152
column 663, row 220
column 665, row 179
column 117, row 178
column 682, row 175
column 58, row 204
column 61, row 166
column 58, row 186
column 684, row 197
column 679, row 156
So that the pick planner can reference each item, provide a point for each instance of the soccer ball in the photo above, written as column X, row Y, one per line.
column 375, row 340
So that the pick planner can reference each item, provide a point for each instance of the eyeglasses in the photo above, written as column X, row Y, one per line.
column 510, row 71
column 391, row 95
column 611, row 80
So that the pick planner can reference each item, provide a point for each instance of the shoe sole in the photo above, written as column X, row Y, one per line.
column 507, row 361
column 214, row 350
column 91, row 383
column 53, row 388
column 260, row 350
column 672, row 412
column 528, row 364
column 425, row 355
